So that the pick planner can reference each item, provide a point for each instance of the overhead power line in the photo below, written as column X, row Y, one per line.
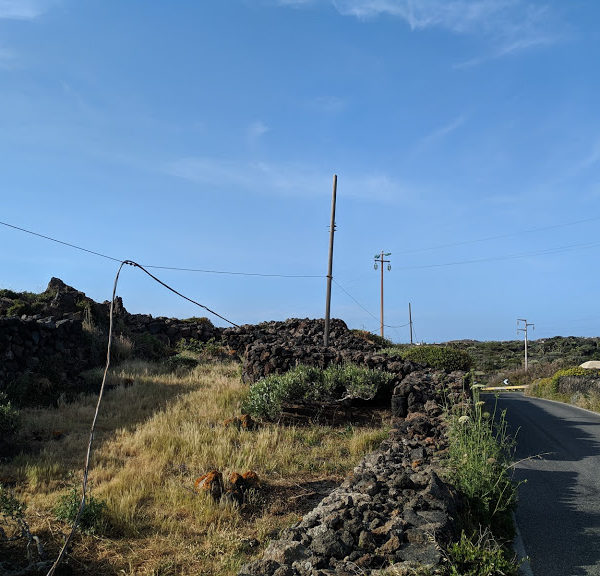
column 135, row 264
column 204, row 271
column 500, row 236
column 363, row 308
column 61, row 242
column 555, row 250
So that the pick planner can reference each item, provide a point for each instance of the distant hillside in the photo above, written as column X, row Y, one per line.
column 508, row 355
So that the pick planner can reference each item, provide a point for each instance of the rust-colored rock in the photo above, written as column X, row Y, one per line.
column 237, row 481
column 251, row 479
column 211, row 483
column 243, row 422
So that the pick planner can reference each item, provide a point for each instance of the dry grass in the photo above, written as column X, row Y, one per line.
column 156, row 434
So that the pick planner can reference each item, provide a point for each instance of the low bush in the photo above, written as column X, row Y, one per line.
column 310, row 384
column 203, row 351
column 442, row 357
column 480, row 463
column 480, row 555
column 93, row 518
column 149, row 347
column 9, row 417
column 180, row 362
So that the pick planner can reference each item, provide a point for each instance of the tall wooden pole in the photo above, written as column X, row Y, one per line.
column 410, row 322
column 330, row 266
column 526, row 327
column 381, row 315
column 380, row 261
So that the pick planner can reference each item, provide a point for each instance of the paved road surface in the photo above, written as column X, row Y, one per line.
column 559, row 506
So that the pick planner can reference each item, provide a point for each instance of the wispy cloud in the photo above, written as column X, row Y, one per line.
column 510, row 25
column 256, row 130
column 328, row 104
column 442, row 132
column 286, row 179
column 22, row 9
column 8, row 59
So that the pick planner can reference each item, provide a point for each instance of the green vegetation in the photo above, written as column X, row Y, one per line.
column 479, row 555
column 23, row 302
column 480, row 466
column 436, row 356
column 9, row 417
column 480, row 462
column 495, row 356
column 203, row 351
column 158, row 432
column 93, row 518
column 575, row 385
column 310, row 384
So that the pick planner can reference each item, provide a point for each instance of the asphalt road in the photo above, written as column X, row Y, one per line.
column 559, row 505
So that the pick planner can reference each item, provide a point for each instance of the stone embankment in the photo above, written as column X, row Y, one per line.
column 393, row 511
column 59, row 350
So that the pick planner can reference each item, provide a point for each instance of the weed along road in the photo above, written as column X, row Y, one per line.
column 559, row 505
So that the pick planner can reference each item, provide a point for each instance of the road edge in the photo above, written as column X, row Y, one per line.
column 519, row 548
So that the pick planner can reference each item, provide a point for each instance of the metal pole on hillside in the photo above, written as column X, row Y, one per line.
column 330, row 265
column 519, row 329
column 410, row 322
column 379, row 259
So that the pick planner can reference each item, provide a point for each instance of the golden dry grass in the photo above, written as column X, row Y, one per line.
column 155, row 436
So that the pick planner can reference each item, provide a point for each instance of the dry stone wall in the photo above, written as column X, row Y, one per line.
column 392, row 511
column 58, row 350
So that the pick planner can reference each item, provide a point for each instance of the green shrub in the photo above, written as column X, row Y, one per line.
column 310, row 384
column 551, row 387
column 442, row 357
column 18, row 308
column 180, row 362
column 209, row 350
column 480, row 464
column 9, row 417
column 94, row 516
column 149, row 347
column 480, row 555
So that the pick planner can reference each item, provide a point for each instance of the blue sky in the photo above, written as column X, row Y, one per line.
column 465, row 136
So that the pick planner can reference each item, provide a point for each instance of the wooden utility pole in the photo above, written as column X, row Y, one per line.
column 330, row 266
column 524, row 329
column 379, row 259
column 410, row 322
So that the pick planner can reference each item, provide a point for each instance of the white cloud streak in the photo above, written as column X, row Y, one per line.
column 509, row 25
column 8, row 59
column 442, row 132
column 21, row 9
column 285, row 179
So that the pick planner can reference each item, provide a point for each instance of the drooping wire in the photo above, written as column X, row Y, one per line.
column 101, row 393
column 136, row 265
column 86, row 467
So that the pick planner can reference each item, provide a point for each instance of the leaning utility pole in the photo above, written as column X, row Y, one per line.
column 330, row 266
column 410, row 322
column 519, row 329
column 379, row 258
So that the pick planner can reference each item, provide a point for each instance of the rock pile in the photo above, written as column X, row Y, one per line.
column 295, row 332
